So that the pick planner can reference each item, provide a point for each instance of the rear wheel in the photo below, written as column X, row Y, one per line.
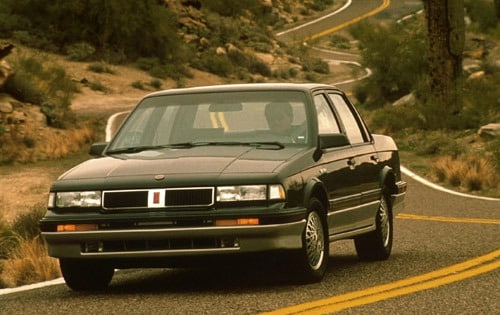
column 377, row 245
column 312, row 259
column 83, row 275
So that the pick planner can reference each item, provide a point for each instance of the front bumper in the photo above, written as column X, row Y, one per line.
column 174, row 242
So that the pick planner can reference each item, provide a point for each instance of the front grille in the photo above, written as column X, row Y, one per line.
column 125, row 199
column 158, row 198
column 189, row 197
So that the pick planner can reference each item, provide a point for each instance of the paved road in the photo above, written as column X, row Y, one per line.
column 426, row 274
column 437, row 230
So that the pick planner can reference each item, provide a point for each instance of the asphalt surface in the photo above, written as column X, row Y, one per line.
column 434, row 236
column 421, row 246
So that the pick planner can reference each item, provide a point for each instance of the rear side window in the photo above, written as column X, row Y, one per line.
column 348, row 118
column 327, row 123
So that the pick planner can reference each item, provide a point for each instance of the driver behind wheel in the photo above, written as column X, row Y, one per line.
column 279, row 116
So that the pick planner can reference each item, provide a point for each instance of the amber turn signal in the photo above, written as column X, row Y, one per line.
column 76, row 227
column 240, row 221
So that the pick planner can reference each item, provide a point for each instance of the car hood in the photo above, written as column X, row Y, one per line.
column 207, row 160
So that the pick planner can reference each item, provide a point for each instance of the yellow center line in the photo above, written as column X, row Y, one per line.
column 213, row 119
column 223, row 122
column 446, row 219
column 426, row 281
column 384, row 5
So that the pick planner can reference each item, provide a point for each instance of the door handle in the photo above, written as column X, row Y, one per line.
column 352, row 163
column 375, row 158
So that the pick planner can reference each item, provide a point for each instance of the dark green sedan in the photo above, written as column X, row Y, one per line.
column 226, row 171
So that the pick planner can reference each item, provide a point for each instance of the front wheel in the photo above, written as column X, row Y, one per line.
column 84, row 275
column 377, row 245
column 312, row 259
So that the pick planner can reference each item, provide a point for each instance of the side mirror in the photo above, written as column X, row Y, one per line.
column 328, row 141
column 333, row 140
column 96, row 149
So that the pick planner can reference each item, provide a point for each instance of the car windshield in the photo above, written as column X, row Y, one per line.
column 222, row 118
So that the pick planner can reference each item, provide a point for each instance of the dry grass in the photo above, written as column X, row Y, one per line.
column 470, row 173
column 28, row 263
column 46, row 145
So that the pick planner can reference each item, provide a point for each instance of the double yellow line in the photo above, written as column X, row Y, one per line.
column 426, row 281
column 384, row 5
column 219, row 119
column 446, row 219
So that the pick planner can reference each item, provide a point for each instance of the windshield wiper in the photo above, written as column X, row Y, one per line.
column 187, row 145
column 257, row 144
column 266, row 144
column 180, row 145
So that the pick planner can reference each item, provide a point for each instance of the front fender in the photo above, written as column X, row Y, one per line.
column 315, row 187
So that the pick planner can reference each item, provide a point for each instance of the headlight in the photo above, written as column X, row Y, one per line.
column 77, row 199
column 250, row 192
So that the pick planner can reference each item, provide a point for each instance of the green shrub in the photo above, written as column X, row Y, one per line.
column 316, row 65
column 435, row 143
column 217, row 64
column 256, row 65
column 231, row 8
column 97, row 86
column 147, row 63
column 99, row 67
column 397, row 56
column 80, row 51
column 138, row 85
column 156, row 84
column 339, row 41
column 319, row 5
column 7, row 239
column 94, row 28
column 27, row 224
column 45, row 84
column 24, row 37
column 482, row 13
column 22, row 87
column 391, row 119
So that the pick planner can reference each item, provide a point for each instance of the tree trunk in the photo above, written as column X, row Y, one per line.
column 446, row 31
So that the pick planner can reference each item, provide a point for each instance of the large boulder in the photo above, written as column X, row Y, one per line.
column 5, row 69
column 5, row 72
column 490, row 130
column 6, row 106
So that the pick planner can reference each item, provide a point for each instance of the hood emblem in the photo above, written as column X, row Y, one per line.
column 159, row 177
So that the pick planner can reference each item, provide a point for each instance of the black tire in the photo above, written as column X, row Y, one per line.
column 85, row 275
column 312, row 259
column 377, row 245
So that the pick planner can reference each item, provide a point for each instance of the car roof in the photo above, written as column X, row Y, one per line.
column 306, row 87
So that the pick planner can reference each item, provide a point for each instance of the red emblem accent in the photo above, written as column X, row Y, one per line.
column 156, row 197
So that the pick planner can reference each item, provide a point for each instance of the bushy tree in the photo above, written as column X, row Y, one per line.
column 134, row 27
column 397, row 57
column 483, row 13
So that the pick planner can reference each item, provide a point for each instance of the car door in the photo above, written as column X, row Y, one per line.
column 363, row 163
column 336, row 172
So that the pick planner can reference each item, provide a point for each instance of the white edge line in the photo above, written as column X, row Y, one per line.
column 440, row 188
column 31, row 286
column 349, row 2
